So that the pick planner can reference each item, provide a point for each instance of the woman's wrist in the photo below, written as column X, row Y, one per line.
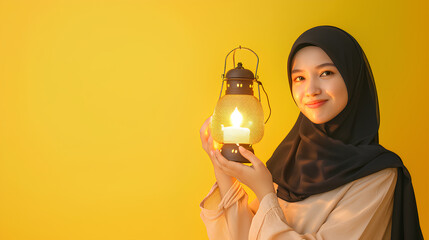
column 224, row 181
column 263, row 193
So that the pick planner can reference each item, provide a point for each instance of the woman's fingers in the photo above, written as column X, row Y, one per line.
column 210, row 143
column 232, row 168
column 250, row 156
column 205, row 131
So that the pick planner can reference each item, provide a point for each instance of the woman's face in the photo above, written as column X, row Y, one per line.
column 317, row 85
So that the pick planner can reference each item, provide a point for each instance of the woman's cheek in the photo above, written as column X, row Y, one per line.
column 298, row 98
column 295, row 93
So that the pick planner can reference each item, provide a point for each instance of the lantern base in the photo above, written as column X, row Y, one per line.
column 230, row 151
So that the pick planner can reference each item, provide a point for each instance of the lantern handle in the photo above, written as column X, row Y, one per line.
column 233, row 60
column 255, row 79
column 268, row 100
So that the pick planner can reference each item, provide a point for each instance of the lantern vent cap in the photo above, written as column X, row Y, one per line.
column 240, row 73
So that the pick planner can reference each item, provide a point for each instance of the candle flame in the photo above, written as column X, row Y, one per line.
column 236, row 118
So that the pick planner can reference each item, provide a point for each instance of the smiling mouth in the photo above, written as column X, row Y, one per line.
column 315, row 104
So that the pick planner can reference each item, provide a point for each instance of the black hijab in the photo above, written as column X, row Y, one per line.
column 316, row 158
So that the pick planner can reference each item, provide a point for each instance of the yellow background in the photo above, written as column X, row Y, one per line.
column 101, row 104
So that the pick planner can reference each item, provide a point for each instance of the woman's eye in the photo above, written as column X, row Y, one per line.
column 298, row 79
column 326, row 73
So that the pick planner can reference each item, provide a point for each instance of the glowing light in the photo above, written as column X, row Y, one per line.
column 236, row 118
column 235, row 133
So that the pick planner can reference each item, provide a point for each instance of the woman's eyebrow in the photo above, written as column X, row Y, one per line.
column 319, row 66
column 326, row 64
column 296, row 70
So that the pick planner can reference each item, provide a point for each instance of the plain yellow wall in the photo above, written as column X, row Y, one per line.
column 101, row 103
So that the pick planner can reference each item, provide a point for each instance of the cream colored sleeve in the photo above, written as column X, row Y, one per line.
column 363, row 213
column 228, row 218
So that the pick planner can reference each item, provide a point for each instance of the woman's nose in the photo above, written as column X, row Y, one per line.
column 312, row 87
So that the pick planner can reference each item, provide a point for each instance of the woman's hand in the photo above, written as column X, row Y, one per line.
column 224, row 180
column 206, row 136
column 257, row 177
column 207, row 141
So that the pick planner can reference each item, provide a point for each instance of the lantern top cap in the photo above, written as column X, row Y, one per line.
column 240, row 73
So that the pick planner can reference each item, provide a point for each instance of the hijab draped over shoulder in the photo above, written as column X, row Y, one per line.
column 316, row 158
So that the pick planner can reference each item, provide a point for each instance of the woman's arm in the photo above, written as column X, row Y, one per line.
column 224, row 211
column 224, row 181
column 227, row 217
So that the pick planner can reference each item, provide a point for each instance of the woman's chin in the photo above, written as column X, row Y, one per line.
column 317, row 119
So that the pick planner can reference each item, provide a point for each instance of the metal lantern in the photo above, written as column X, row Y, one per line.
column 238, row 118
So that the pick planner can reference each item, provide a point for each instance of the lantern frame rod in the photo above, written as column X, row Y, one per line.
column 233, row 59
column 233, row 62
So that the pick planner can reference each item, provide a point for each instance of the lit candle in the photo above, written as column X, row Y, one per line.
column 235, row 133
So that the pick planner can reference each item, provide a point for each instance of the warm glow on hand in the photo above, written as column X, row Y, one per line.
column 217, row 145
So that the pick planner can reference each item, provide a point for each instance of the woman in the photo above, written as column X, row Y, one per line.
column 329, row 178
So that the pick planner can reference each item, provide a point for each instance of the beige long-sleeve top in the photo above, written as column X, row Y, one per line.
column 361, row 209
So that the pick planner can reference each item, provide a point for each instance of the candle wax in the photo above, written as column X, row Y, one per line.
column 235, row 134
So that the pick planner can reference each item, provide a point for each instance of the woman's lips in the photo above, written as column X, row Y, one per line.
column 315, row 104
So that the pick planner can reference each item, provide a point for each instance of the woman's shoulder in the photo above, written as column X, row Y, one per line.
column 385, row 178
column 386, row 173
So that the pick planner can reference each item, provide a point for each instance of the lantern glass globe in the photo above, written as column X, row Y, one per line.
column 233, row 114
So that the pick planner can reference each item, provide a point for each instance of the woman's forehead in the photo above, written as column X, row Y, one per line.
column 310, row 56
